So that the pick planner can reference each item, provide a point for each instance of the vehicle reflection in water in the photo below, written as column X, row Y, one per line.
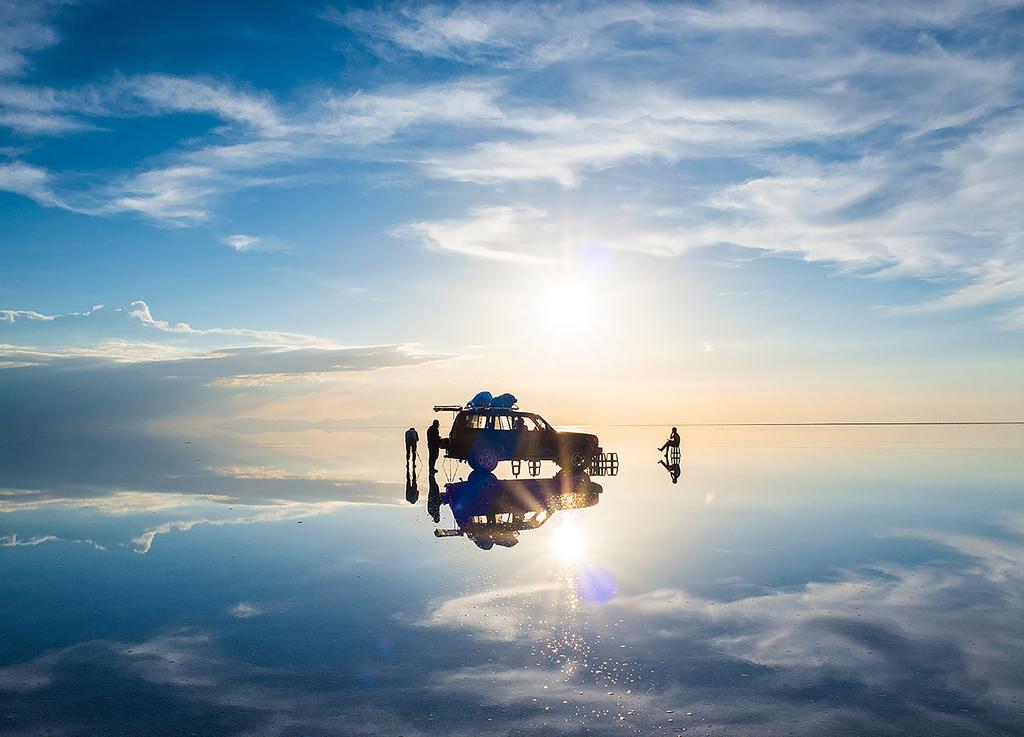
column 491, row 511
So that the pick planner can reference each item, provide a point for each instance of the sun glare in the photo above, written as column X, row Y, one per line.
column 568, row 542
column 566, row 299
column 567, row 307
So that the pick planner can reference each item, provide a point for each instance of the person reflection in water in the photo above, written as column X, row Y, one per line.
column 674, row 469
column 672, row 442
column 411, row 439
column 434, row 444
column 434, row 499
column 412, row 492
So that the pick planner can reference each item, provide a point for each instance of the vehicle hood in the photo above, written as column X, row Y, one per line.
column 580, row 437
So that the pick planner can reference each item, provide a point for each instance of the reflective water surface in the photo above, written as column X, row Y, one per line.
column 798, row 581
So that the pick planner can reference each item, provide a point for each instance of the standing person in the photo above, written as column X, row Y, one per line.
column 672, row 442
column 434, row 443
column 411, row 439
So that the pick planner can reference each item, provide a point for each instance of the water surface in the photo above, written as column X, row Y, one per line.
column 794, row 581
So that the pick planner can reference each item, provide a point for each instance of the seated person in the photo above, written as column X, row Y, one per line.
column 672, row 442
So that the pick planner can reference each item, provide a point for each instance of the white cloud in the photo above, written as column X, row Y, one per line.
column 961, row 216
column 167, row 93
column 45, row 110
column 29, row 676
column 176, row 195
column 281, row 512
column 498, row 233
column 246, row 610
column 141, row 312
column 885, row 628
column 12, row 540
column 241, row 242
column 370, row 117
column 957, row 218
column 25, row 29
column 25, row 121
column 211, row 353
column 13, row 315
column 492, row 614
column 30, row 181
column 245, row 243
column 531, row 235
column 895, row 159
column 536, row 34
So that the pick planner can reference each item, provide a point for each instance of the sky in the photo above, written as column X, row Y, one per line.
column 622, row 212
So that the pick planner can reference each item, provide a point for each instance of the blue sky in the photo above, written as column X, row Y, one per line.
column 620, row 211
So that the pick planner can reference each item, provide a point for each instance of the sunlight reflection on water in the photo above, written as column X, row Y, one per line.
column 848, row 581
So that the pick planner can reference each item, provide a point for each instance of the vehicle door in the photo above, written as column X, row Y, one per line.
column 503, row 435
column 546, row 438
column 530, row 439
column 466, row 433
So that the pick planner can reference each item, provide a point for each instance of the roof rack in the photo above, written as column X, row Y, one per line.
column 460, row 408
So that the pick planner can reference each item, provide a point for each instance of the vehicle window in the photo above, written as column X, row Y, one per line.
column 476, row 422
column 535, row 423
column 502, row 422
column 523, row 422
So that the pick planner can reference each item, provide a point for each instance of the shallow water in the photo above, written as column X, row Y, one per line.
column 794, row 581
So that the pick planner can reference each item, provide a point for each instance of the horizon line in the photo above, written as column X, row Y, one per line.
column 831, row 423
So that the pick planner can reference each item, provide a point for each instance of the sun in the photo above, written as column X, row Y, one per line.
column 567, row 306
column 566, row 296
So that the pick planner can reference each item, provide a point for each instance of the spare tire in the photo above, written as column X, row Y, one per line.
column 483, row 459
column 579, row 458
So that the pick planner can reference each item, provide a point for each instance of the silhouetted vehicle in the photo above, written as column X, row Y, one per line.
column 491, row 511
column 486, row 436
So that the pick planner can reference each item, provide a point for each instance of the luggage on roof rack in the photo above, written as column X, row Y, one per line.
column 481, row 400
column 504, row 401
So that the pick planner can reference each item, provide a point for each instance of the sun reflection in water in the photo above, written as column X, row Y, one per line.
column 568, row 542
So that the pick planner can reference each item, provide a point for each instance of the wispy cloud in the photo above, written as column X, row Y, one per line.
column 139, row 310
column 246, row 610
column 26, row 28
column 829, row 144
column 13, row 541
column 14, row 315
column 498, row 233
column 282, row 512
column 28, row 180
column 242, row 243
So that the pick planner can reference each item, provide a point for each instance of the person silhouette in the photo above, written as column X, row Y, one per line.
column 411, row 439
column 434, row 443
column 673, row 469
column 672, row 442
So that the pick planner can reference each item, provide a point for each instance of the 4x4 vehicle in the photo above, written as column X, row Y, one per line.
column 486, row 436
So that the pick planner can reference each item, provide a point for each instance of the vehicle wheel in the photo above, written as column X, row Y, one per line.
column 484, row 459
column 579, row 459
